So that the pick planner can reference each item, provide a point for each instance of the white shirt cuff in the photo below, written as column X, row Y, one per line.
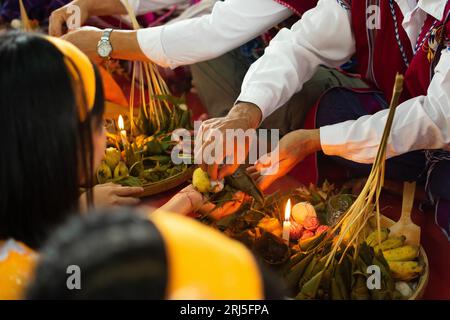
column 333, row 140
column 262, row 98
column 150, row 42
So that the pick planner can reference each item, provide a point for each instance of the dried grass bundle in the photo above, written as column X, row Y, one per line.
column 155, row 107
column 351, row 227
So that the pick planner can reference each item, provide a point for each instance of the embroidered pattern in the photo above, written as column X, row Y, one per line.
column 371, row 35
column 346, row 4
column 419, row 44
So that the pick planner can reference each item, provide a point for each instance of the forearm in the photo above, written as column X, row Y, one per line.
column 248, row 111
column 308, row 140
column 231, row 24
column 125, row 46
column 103, row 7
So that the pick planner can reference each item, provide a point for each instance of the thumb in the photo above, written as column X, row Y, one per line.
column 56, row 25
column 227, row 170
column 265, row 181
column 267, row 161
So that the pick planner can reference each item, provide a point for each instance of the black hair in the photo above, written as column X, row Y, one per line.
column 42, row 139
column 120, row 255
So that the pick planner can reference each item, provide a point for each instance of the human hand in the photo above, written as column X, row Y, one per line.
column 218, row 212
column 292, row 149
column 212, row 136
column 85, row 39
column 110, row 195
column 73, row 16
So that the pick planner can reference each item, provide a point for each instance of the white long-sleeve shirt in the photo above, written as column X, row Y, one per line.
column 324, row 36
column 230, row 24
column 144, row 6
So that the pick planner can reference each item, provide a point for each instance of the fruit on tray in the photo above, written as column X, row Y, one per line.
column 372, row 239
column 271, row 225
column 391, row 243
column 402, row 259
column 104, row 172
column 296, row 231
column 201, row 181
column 121, row 170
column 302, row 211
column 405, row 253
column 405, row 270
column 311, row 223
column 112, row 157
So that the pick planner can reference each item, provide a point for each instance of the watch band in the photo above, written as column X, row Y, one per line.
column 106, row 35
column 105, row 42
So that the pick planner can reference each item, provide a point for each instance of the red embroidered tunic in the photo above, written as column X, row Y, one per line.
column 379, row 53
column 298, row 6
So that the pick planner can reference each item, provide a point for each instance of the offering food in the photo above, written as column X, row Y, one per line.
column 144, row 161
column 139, row 150
column 302, row 211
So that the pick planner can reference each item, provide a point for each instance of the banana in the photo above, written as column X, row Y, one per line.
column 372, row 239
column 391, row 243
column 405, row 270
column 404, row 253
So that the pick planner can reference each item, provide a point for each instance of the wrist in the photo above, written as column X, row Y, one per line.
column 308, row 141
column 248, row 111
column 312, row 140
column 86, row 6
column 126, row 46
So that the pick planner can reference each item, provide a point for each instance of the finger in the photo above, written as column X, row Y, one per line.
column 126, row 201
column 255, row 175
column 206, row 208
column 225, row 210
column 189, row 188
column 265, row 181
column 128, row 191
column 204, row 167
column 56, row 22
column 227, row 170
column 212, row 171
column 251, row 170
column 239, row 196
column 107, row 184
column 264, row 162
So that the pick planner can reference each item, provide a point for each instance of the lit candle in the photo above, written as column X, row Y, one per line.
column 287, row 221
column 123, row 132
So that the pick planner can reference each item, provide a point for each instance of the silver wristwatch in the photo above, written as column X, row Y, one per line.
column 104, row 47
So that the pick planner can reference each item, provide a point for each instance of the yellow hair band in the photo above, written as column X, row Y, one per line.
column 205, row 264
column 85, row 70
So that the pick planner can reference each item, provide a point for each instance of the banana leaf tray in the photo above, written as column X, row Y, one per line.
column 167, row 184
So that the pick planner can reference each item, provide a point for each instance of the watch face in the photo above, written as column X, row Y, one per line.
column 104, row 49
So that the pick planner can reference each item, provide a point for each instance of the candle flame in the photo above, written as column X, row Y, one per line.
column 287, row 211
column 120, row 122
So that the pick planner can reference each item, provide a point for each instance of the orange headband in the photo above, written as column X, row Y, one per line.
column 85, row 70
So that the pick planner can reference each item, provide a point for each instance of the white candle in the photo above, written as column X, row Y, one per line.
column 287, row 221
column 123, row 132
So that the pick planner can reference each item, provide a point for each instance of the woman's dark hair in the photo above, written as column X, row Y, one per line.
column 43, row 142
column 120, row 255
